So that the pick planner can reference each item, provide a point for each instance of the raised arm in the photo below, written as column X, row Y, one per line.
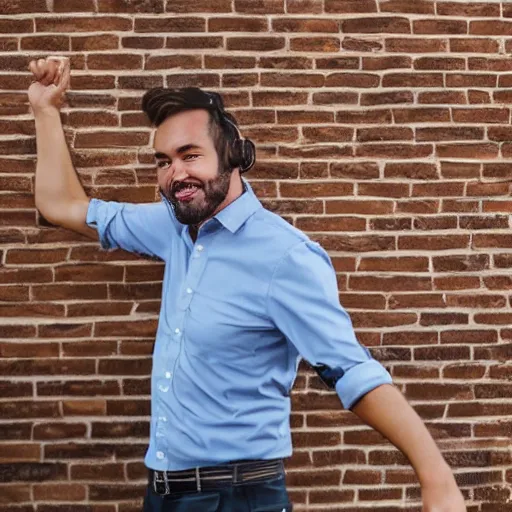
column 59, row 195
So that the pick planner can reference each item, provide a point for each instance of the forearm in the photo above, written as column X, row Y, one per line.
column 57, row 184
column 387, row 411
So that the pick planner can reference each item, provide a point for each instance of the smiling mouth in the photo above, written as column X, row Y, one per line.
column 185, row 192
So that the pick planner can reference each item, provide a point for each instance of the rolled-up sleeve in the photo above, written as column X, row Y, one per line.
column 140, row 228
column 304, row 305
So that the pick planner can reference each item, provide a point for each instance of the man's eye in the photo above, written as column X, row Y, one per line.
column 191, row 157
column 162, row 164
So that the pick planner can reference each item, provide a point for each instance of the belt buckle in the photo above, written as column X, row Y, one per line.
column 163, row 480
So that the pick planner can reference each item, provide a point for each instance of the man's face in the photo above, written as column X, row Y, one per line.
column 188, row 167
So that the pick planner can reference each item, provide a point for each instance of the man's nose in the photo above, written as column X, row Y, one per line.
column 176, row 171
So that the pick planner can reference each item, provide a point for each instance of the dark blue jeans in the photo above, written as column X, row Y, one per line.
column 269, row 496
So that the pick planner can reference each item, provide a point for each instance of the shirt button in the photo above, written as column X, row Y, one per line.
column 168, row 375
column 163, row 389
column 160, row 455
column 189, row 290
column 177, row 331
column 200, row 248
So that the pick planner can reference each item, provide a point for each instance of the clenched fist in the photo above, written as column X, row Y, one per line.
column 51, row 77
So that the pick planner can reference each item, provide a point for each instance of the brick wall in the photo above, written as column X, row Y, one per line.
column 383, row 130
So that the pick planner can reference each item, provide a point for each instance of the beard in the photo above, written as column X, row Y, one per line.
column 208, row 198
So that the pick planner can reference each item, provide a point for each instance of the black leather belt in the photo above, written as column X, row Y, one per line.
column 213, row 477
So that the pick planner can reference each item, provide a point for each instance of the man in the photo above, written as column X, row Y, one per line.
column 245, row 295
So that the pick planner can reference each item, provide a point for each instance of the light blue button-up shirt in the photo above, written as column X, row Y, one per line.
column 240, row 306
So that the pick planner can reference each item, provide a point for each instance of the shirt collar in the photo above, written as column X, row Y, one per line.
column 235, row 214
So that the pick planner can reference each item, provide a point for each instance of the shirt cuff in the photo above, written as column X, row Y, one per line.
column 96, row 219
column 359, row 380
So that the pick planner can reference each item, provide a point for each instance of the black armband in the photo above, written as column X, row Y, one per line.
column 329, row 376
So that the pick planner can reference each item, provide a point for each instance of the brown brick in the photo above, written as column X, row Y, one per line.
column 383, row 63
column 467, row 9
column 410, row 301
column 315, row 44
column 358, row 207
column 471, row 80
column 238, row 24
column 118, row 429
column 104, row 471
column 441, row 97
column 27, row 409
column 286, row 63
column 260, row 44
column 403, row 6
column 432, row 391
column 383, row 98
column 362, row 477
column 398, row 151
column 59, row 492
column 412, row 170
column 86, row 82
column 421, row 115
column 32, row 472
column 131, row 6
column 304, row 6
column 304, row 25
column 443, row 319
column 259, row 6
column 128, row 407
column 83, row 24
column 382, row 319
column 464, row 371
column 415, row 372
column 412, row 80
column 95, row 43
column 84, row 407
column 363, row 116
column 108, row 62
column 377, row 134
column 147, row 43
column 389, row 283
column 356, row 243
column 32, row 310
column 456, row 283
column 315, row 478
column 331, row 496
column 491, row 27
column 289, row 206
column 69, row 291
column 438, row 63
column 316, row 189
column 350, row 6
column 432, row 242
column 474, row 45
column 397, row 44
column 194, row 42
column 440, row 26
column 359, row 170
column 46, row 43
column 14, row 494
column 385, row 25
column 476, row 301
column 25, row 275
column 360, row 45
column 464, row 263
column 74, row 6
column 390, row 224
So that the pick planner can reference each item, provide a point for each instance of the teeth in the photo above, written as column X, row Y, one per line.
column 183, row 186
